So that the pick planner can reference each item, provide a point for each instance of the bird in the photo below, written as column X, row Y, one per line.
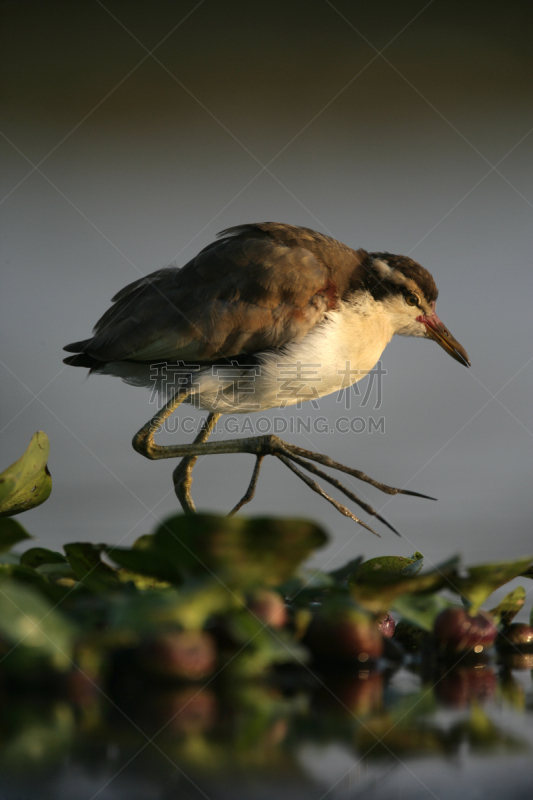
column 225, row 332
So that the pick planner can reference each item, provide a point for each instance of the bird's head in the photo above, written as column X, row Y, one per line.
column 409, row 294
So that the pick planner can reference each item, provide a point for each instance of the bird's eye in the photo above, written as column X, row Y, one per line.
column 412, row 299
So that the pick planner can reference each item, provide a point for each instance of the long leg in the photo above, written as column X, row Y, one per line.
column 182, row 475
column 143, row 443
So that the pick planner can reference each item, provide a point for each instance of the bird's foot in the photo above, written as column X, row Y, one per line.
column 295, row 457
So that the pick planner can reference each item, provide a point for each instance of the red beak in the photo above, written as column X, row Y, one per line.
column 438, row 331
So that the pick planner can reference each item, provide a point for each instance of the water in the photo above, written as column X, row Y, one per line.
column 464, row 733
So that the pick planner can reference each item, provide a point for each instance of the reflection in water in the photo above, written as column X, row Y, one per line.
column 347, row 733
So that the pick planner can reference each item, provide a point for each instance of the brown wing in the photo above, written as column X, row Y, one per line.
column 260, row 287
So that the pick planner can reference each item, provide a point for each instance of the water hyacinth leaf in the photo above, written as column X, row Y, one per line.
column 388, row 564
column 148, row 561
column 11, row 533
column 261, row 647
column 508, row 608
column 9, row 558
column 306, row 586
column 7, row 487
column 143, row 542
column 421, row 609
column 479, row 582
column 27, row 483
column 143, row 612
column 29, row 621
column 241, row 552
column 55, row 571
column 37, row 556
column 84, row 558
column 25, row 575
column 416, row 565
column 377, row 589
column 48, row 563
column 345, row 573
column 140, row 581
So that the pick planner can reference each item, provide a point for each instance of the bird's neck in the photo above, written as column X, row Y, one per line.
column 352, row 337
column 362, row 328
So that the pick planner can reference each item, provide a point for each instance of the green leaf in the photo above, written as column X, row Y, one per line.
column 146, row 561
column 422, row 609
column 415, row 567
column 27, row 483
column 84, row 558
column 377, row 589
column 388, row 564
column 508, row 608
column 7, row 487
column 29, row 576
column 55, row 571
column 143, row 542
column 241, row 552
column 36, row 556
column 481, row 581
column 306, row 586
column 140, row 581
column 10, row 558
column 143, row 612
column 260, row 648
column 345, row 572
column 11, row 533
column 29, row 621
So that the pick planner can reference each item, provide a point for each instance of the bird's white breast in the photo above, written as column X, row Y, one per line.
column 339, row 351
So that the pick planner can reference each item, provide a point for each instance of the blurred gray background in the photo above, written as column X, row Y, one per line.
column 133, row 133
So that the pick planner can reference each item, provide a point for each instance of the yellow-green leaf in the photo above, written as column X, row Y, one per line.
column 37, row 556
column 11, row 533
column 27, row 483
column 508, row 608
column 481, row 581
column 377, row 590
column 242, row 552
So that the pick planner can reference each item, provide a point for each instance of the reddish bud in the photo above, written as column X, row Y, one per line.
column 519, row 634
column 341, row 632
column 269, row 607
column 387, row 626
column 182, row 655
column 456, row 631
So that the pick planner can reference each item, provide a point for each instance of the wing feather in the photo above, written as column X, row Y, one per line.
column 259, row 287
